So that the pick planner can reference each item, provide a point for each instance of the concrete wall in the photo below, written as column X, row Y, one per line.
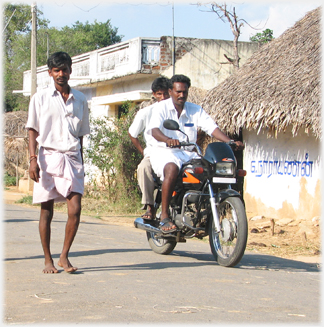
column 202, row 60
column 283, row 175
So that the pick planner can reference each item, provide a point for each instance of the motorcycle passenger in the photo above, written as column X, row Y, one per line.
column 160, row 87
column 167, row 157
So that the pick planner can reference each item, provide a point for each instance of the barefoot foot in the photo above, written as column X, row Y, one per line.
column 50, row 269
column 66, row 265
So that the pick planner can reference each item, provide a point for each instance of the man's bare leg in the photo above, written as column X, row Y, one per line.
column 45, row 220
column 71, row 228
column 171, row 172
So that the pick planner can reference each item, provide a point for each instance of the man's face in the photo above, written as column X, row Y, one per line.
column 179, row 93
column 161, row 95
column 61, row 75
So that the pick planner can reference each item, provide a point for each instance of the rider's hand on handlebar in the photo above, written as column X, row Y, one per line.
column 239, row 145
column 172, row 143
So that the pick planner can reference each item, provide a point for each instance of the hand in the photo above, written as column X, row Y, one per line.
column 34, row 171
column 239, row 145
column 172, row 143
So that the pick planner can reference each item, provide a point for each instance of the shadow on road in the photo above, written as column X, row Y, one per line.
column 249, row 261
column 268, row 262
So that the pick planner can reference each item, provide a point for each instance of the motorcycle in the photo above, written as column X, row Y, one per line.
column 203, row 204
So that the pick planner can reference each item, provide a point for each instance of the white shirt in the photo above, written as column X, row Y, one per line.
column 140, row 124
column 59, row 124
column 191, row 119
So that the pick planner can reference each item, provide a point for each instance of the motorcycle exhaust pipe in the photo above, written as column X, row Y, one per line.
column 139, row 223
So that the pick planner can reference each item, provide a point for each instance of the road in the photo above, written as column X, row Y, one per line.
column 120, row 280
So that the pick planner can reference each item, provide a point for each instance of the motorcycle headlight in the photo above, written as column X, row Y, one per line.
column 225, row 168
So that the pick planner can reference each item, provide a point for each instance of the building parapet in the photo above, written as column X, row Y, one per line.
column 121, row 59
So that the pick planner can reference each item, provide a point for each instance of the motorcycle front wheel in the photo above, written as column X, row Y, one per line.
column 160, row 245
column 229, row 245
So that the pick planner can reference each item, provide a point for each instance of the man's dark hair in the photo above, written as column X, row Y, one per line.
column 180, row 79
column 160, row 83
column 59, row 59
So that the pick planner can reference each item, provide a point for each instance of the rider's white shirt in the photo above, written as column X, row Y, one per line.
column 191, row 119
column 140, row 124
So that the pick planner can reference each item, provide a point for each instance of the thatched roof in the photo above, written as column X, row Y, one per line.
column 279, row 86
column 196, row 95
column 15, row 142
column 14, row 123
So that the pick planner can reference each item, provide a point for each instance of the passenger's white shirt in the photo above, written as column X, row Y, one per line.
column 140, row 124
column 59, row 124
column 191, row 119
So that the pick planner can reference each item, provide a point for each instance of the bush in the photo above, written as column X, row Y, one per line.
column 112, row 152
column 9, row 180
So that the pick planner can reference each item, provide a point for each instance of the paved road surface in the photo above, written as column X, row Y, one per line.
column 120, row 280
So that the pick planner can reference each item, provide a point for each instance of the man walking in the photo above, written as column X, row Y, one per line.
column 58, row 118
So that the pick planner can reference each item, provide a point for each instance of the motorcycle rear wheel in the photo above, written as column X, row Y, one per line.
column 160, row 245
column 229, row 245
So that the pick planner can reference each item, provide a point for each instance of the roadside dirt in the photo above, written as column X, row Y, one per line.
column 285, row 238
column 291, row 239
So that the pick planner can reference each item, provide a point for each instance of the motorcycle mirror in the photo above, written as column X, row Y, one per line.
column 174, row 126
column 171, row 124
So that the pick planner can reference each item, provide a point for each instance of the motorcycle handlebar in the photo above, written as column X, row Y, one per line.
column 191, row 144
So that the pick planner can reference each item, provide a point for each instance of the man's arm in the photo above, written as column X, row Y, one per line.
column 33, row 165
column 219, row 135
column 159, row 136
column 137, row 144
column 81, row 148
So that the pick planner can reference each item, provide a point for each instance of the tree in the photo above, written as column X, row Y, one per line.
column 74, row 40
column 262, row 38
column 17, row 23
column 230, row 15
column 80, row 38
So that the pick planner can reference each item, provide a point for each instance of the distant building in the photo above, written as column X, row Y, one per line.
column 125, row 71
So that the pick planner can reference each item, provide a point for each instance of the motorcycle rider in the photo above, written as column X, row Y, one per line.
column 160, row 87
column 167, row 157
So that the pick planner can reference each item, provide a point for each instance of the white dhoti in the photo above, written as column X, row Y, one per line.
column 60, row 174
column 161, row 156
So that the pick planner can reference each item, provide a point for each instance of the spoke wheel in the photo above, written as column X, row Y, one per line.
column 229, row 245
column 160, row 245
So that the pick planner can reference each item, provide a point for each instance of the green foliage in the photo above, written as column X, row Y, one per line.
column 264, row 37
column 28, row 199
column 111, row 151
column 74, row 40
column 16, row 36
column 9, row 180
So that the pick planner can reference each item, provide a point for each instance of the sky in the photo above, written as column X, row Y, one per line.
column 143, row 18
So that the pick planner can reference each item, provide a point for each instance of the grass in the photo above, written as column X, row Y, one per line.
column 9, row 180
column 98, row 206
column 28, row 199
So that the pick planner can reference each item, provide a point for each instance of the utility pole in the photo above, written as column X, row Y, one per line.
column 47, row 45
column 33, row 64
column 173, row 42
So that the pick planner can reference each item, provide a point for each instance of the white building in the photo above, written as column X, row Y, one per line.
column 125, row 71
